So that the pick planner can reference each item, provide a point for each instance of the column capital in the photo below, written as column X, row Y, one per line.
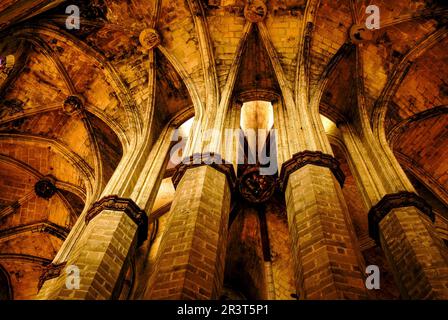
column 128, row 206
column 393, row 201
column 213, row 160
column 316, row 158
column 254, row 187
column 51, row 271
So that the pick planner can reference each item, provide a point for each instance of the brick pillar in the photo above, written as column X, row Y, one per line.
column 115, row 227
column 402, row 224
column 191, row 261
column 399, row 219
column 327, row 263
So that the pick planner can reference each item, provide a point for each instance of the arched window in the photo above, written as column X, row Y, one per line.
column 260, row 151
column 5, row 285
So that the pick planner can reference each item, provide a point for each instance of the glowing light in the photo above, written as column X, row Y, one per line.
column 328, row 124
column 257, row 115
column 185, row 128
column 165, row 194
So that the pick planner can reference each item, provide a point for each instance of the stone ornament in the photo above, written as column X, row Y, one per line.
column 149, row 39
column 393, row 201
column 73, row 105
column 256, row 188
column 255, row 11
column 316, row 158
column 128, row 206
column 360, row 34
column 45, row 188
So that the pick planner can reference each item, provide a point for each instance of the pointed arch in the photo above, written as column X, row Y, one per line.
column 5, row 285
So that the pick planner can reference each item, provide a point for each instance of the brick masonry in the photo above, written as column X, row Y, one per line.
column 105, row 64
column 101, row 255
column 190, row 264
column 417, row 255
column 326, row 263
column 281, row 264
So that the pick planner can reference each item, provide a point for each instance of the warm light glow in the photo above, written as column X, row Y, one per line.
column 328, row 124
column 185, row 128
column 257, row 115
column 165, row 194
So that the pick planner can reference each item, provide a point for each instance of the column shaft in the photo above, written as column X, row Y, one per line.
column 327, row 265
column 190, row 264
column 417, row 255
column 114, row 229
column 399, row 220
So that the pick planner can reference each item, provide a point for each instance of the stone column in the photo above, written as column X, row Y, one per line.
column 115, row 227
column 106, row 236
column 399, row 220
column 402, row 224
column 110, row 224
column 191, row 261
column 112, row 229
column 282, row 130
column 327, row 261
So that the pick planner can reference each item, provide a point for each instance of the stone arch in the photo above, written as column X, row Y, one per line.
column 6, row 292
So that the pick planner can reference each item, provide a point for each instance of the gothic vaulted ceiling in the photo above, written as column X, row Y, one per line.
column 73, row 100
